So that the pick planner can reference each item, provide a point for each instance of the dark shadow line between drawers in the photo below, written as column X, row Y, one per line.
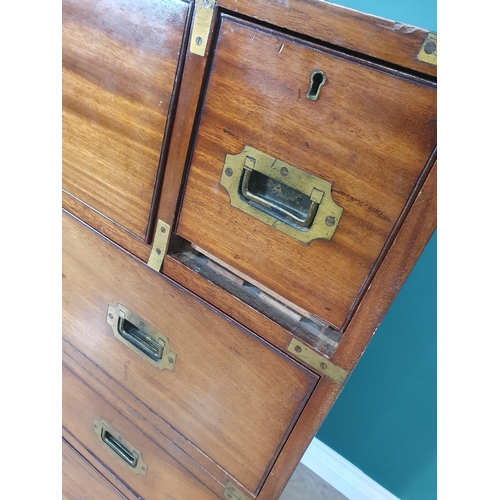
column 169, row 125
column 207, row 71
column 100, row 214
column 143, row 419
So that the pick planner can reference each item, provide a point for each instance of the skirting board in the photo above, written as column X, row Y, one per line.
column 342, row 475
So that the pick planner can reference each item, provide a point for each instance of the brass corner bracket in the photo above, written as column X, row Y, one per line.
column 428, row 50
column 323, row 365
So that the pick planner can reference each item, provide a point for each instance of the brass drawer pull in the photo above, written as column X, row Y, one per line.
column 280, row 208
column 291, row 200
column 119, row 446
column 129, row 457
column 145, row 344
column 141, row 337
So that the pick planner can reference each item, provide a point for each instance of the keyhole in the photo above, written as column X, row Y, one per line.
column 316, row 81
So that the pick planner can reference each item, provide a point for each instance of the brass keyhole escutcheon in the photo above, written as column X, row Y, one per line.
column 316, row 81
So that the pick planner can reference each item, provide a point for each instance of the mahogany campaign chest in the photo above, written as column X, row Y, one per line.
column 246, row 186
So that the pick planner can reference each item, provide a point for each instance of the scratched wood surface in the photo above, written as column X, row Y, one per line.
column 119, row 66
column 230, row 394
column 370, row 133
column 411, row 240
column 81, row 480
column 164, row 475
column 391, row 41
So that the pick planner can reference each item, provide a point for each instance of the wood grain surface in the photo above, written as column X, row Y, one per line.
column 370, row 133
column 119, row 65
column 419, row 226
column 231, row 394
column 112, row 478
column 312, row 417
column 164, row 475
column 389, row 41
column 81, row 481
column 148, row 422
column 189, row 95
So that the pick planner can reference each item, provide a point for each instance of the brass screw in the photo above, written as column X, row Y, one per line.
column 323, row 365
column 162, row 229
column 298, row 348
column 198, row 40
column 330, row 221
column 430, row 47
column 284, row 171
column 229, row 171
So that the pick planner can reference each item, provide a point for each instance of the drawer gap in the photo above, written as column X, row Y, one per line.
column 302, row 324
column 381, row 64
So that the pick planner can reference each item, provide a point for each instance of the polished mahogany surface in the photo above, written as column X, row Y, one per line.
column 119, row 66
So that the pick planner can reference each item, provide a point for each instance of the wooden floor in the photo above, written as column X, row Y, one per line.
column 306, row 485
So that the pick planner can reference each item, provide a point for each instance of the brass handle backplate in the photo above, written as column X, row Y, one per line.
column 122, row 448
column 141, row 337
column 289, row 199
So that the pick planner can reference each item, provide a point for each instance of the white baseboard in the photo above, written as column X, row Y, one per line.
column 342, row 475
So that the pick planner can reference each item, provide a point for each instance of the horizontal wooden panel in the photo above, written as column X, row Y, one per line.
column 370, row 134
column 390, row 41
column 119, row 64
column 81, row 480
column 231, row 394
column 164, row 475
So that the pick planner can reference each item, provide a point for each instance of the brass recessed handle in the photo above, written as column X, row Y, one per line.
column 150, row 347
column 139, row 336
column 128, row 456
column 280, row 195
column 279, row 206
column 122, row 448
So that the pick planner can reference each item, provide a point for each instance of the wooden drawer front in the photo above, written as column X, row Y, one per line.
column 119, row 65
column 232, row 395
column 81, row 480
column 370, row 134
column 162, row 475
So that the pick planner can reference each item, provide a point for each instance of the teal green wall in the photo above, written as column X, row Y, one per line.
column 421, row 14
column 384, row 421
